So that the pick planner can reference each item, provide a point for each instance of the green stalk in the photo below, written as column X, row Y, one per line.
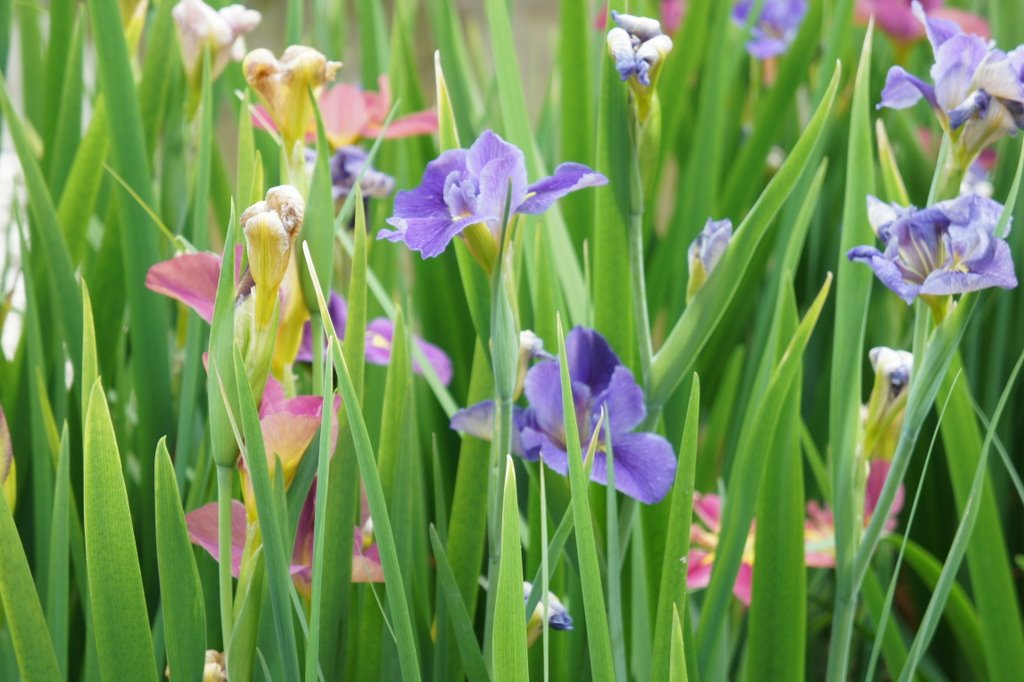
column 316, row 332
column 224, row 540
column 502, row 444
column 645, row 347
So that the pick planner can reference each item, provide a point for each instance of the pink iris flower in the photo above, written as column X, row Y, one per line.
column 820, row 529
column 351, row 114
column 704, row 544
column 896, row 17
column 192, row 279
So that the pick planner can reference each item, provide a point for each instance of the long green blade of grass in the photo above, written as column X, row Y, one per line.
column 123, row 640
column 509, row 649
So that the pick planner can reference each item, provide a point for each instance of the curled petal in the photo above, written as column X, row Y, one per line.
column 568, row 177
column 903, row 90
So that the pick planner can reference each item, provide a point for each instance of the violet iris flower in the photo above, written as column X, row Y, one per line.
column 645, row 464
column 949, row 248
column 346, row 164
column 775, row 29
column 464, row 187
column 978, row 93
column 379, row 333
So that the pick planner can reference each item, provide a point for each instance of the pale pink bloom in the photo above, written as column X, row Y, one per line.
column 704, row 543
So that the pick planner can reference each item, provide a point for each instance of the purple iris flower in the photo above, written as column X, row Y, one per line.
column 638, row 46
column 463, row 187
column 645, row 464
column 379, row 334
column 978, row 92
column 949, row 248
column 710, row 244
column 774, row 29
column 346, row 164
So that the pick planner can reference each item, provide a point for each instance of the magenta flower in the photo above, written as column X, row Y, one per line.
column 896, row 17
column 192, row 279
column 464, row 187
column 704, row 544
column 820, row 529
column 202, row 529
column 645, row 465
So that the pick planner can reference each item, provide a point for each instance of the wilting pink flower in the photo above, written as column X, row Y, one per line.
column 351, row 114
column 202, row 529
column 704, row 544
column 820, row 528
column 192, row 279
column 896, row 18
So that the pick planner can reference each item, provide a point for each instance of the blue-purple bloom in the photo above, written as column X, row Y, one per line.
column 645, row 464
column 346, row 164
column 464, row 187
column 775, row 28
column 638, row 46
column 978, row 93
column 949, row 248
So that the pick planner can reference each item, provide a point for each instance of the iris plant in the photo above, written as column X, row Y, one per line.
column 644, row 462
column 978, row 91
column 466, row 192
column 945, row 249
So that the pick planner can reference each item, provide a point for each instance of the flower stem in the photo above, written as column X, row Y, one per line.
column 224, row 474
column 316, row 330
column 645, row 347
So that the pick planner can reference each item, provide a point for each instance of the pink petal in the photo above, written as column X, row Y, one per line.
column 262, row 120
column 202, row 529
column 378, row 104
column 190, row 278
column 708, row 508
column 344, row 112
column 744, row 583
column 698, row 569
column 420, row 123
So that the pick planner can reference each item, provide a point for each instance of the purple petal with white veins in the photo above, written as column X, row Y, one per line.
column 953, row 71
column 939, row 31
column 904, row 90
column 501, row 172
column 421, row 216
column 998, row 273
column 886, row 270
column 568, row 177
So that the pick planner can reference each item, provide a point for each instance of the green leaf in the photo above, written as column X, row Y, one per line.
column 853, row 293
column 778, row 613
column 275, row 550
column 32, row 645
column 509, row 660
column 181, row 592
column 692, row 331
column 747, row 473
column 59, row 588
column 472, row 659
column 590, row 572
column 123, row 640
column 677, row 546
column 677, row 658
column 959, row 548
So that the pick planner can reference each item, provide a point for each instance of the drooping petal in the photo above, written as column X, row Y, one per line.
column 568, row 177
column 475, row 420
column 953, row 72
column 288, row 431
column 999, row 273
column 190, row 278
column 418, row 123
column 903, row 90
column 202, row 530
column 887, row 271
column 645, row 466
column 344, row 112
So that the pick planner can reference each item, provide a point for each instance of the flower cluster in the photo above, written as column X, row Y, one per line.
column 645, row 464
